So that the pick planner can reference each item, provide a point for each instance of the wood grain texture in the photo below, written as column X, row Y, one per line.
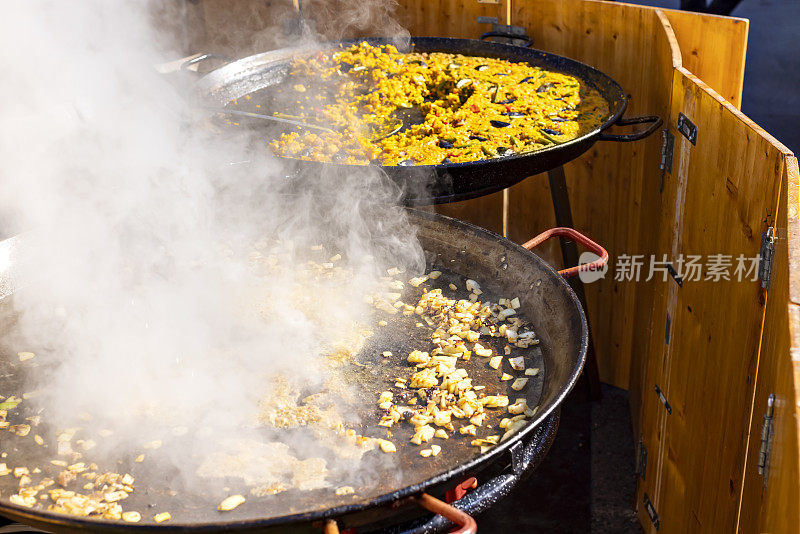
column 771, row 502
column 239, row 28
column 725, row 191
column 665, row 51
column 614, row 188
column 713, row 49
column 449, row 18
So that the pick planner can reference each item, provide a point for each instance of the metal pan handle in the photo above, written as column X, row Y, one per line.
column 203, row 57
column 656, row 122
column 489, row 492
column 579, row 238
column 509, row 35
column 463, row 520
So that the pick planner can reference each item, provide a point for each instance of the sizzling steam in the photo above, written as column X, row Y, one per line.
column 150, row 282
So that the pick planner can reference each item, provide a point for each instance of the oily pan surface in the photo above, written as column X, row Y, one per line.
column 370, row 369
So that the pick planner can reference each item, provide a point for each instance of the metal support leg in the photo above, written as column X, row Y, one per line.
column 569, row 252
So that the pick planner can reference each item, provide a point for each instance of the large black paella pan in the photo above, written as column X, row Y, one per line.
column 460, row 251
column 447, row 182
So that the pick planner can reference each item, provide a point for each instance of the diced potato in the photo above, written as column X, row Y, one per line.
column 495, row 401
column 495, row 362
column 519, row 384
column 229, row 503
column 131, row 517
column 467, row 430
column 517, row 363
column 387, row 446
column 345, row 490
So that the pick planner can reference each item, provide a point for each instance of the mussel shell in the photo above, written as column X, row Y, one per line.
column 499, row 124
column 551, row 131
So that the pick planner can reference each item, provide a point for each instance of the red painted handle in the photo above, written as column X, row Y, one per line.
column 463, row 520
column 578, row 238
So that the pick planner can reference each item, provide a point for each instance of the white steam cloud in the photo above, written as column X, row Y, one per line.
column 145, row 283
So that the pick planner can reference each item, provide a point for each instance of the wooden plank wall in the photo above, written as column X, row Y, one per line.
column 236, row 28
column 614, row 188
column 771, row 502
column 722, row 193
column 713, row 49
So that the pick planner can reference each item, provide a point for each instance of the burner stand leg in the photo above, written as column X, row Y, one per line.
column 569, row 252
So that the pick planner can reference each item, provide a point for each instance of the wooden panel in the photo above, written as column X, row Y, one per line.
column 459, row 19
column 449, row 18
column 665, row 51
column 713, row 49
column 239, row 28
column 614, row 188
column 771, row 502
column 726, row 188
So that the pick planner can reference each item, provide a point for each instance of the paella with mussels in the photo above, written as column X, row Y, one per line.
column 391, row 108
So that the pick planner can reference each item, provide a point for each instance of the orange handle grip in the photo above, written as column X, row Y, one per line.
column 463, row 520
column 578, row 238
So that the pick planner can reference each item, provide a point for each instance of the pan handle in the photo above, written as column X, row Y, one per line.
column 509, row 35
column 578, row 237
column 653, row 120
column 463, row 520
column 489, row 492
column 203, row 57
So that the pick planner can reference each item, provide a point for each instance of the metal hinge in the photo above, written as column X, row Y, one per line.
column 663, row 399
column 766, row 440
column 651, row 511
column 766, row 256
column 641, row 459
column 488, row 20
column 509, row 28
column 667, row 149
column 687, row 128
